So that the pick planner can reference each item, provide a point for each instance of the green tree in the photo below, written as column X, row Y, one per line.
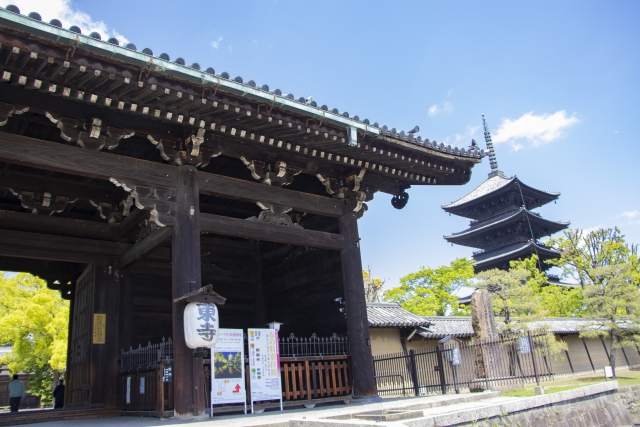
column 609, row 271
column 34, row 320
column 372, row 286
column 513, row 295
column 555, row 301
column 430, row 291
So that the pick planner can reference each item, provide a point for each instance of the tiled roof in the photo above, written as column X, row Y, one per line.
column 493, row 183
column 484, row 258
column 505, row 218
column 391, row 315
column 488, row 186
column 163, row 61
column 442, row 326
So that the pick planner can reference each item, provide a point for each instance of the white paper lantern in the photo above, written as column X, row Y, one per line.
column 200, row 324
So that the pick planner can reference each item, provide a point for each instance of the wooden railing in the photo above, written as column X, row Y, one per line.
column 315, row 378
column 305, row 381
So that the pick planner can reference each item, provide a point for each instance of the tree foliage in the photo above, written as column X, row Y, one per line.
column 609, row 271
column 372, row 286
column 513, row 295
column 34, row 320
column 430, row 291
column 555, row 301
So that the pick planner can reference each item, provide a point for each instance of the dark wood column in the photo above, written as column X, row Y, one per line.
column 186, row 277
column 104, row 357
column 259, row 294
column 364, row 383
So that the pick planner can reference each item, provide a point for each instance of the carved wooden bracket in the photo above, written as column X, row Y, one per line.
column 161, row 202
column 274, row 214
column 188, row 152
column 8, row 110
column 91, row 139
column 42, row 203
column 114, row 214
column 279, row 174
column 344, row 189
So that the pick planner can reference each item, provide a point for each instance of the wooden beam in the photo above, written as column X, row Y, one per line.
column 233, row 188
column 61, row 248
column 258, row 230
column 131, row 223
column 19, row 221
column 25, row 151
column 144, row 247
column 39, row 154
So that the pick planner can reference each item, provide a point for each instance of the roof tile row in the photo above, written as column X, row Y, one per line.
column 401, row 135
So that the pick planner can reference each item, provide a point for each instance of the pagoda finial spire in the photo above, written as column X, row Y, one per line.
column 492, row 154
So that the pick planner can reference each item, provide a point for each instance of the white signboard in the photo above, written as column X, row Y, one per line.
column 227, row 369
column 525, row 345
column 264, row 365
column 608, row 372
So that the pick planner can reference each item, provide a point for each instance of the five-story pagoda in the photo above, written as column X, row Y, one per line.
column 503, row 225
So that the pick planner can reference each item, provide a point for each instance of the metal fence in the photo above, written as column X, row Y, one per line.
column 290, row 346
column 334, row 345
column 150, row 355
column 454, row 365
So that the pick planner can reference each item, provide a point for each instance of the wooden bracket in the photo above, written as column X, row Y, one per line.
column 279, row 175
column 73, row 130
column 188, row 153
column 42, row 203
column 274, row 214
column 8, row 110
column 161, row 202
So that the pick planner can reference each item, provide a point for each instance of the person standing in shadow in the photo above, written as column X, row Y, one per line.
column 16, row 393
column 58, row 395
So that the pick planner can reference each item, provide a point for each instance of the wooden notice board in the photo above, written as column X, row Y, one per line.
column 99, row 328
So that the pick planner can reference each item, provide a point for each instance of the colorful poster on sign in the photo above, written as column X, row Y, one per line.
column 264, row 365
column 227, row 369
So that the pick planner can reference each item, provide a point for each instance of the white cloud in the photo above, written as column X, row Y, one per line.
column 216, row 43
column 534, row 130
column 615, row 131
column 64, row 11
column 434, row 110
column 630, row 214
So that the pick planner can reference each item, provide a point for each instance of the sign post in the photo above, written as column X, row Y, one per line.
column 264, row 366
column 227, row 369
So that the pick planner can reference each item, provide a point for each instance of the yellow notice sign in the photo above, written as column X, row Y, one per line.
column 99, row 328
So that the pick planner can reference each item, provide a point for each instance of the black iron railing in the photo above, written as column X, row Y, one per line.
column 480, row 364
column 291, row 346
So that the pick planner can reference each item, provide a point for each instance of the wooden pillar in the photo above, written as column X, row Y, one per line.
column 105, row 355
column 186, row 277
column 259, row 293
column 126, row 310
column 364, row 383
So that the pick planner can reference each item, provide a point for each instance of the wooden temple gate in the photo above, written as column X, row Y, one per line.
column 127, row 181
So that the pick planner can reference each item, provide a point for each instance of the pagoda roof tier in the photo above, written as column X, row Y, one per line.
column 485, row 233
column 487, row 197
column 500, row 258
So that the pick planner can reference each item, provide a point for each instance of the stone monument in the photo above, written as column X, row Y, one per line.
column 486, row 332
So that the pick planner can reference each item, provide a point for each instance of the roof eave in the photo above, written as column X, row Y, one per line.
column 159, row 66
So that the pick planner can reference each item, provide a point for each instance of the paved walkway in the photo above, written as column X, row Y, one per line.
column 281, row 419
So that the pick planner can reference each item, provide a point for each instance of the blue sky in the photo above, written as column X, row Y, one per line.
column 558, row 82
